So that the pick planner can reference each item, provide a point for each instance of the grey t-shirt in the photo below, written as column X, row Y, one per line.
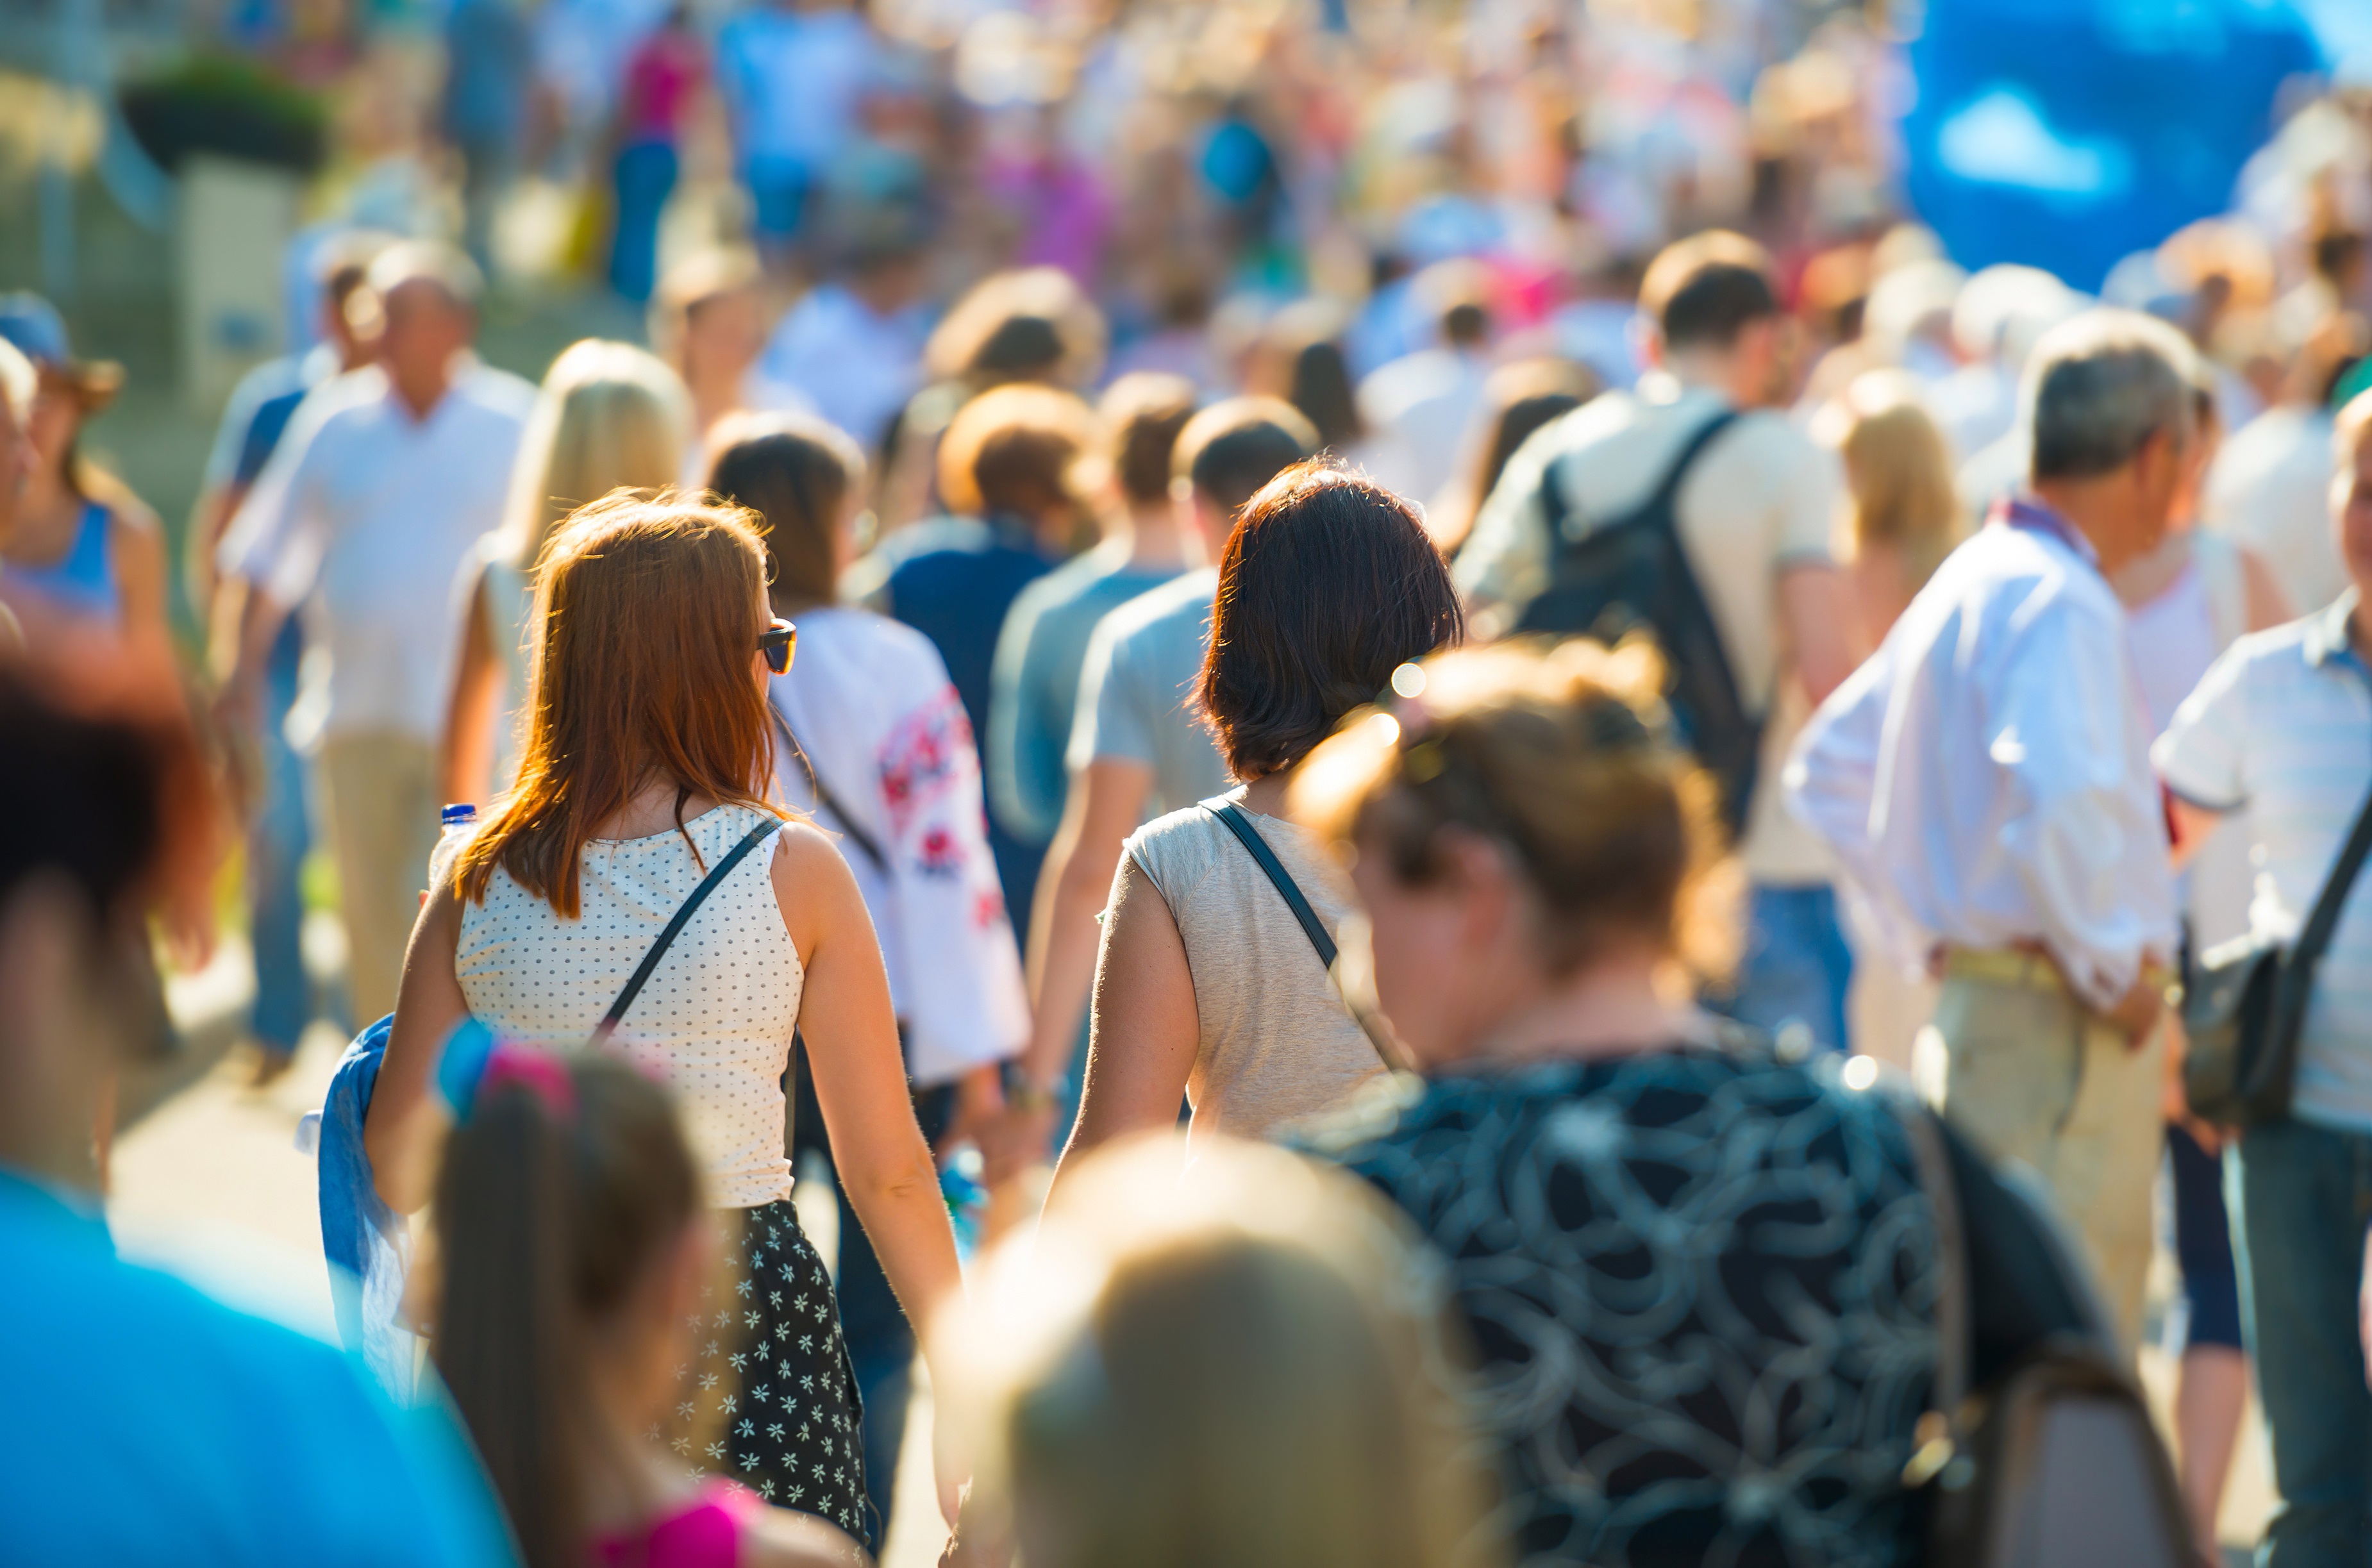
column 1134, row 689
column 1275, row 1044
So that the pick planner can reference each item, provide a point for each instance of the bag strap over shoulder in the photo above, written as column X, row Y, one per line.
column 825, row 799
column 1232, row 814
column 2315, row 938
column 718, row 873
column 1661, row 500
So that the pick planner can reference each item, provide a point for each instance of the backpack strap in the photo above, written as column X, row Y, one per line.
column 718, row 873
column 1661, row 501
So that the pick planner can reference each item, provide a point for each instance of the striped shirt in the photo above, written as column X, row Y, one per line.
column 2282, row 725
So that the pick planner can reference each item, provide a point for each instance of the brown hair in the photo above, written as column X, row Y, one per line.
column 1564, row 758
column 1706, row 288
column 546, row 1221
column 642, row 638
column 1014, row 450
column 1231, row 448
column 793, row 475
column 1328, row 583
column 1142, row 412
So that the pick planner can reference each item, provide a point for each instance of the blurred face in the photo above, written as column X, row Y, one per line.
column 57, row 415
column 1452, row 957
column 16, row 466
column 2351, row 512
column 422, row 328
column 722, row 336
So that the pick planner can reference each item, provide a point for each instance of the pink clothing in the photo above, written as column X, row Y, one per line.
column 706, row 1533
column 660, row 79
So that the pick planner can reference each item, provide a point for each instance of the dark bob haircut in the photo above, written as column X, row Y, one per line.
column 1328, row 584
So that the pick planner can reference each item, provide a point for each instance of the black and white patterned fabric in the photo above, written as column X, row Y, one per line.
column 1701, row 1286
column 768, row 1400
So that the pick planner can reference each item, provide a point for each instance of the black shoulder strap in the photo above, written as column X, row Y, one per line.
column 825, row 799
column 1661, row 498
column 2333, row 900
column 718, row 873
column 1228, row 812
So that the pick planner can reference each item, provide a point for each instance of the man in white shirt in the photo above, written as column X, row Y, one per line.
column 1752, row 513
column 384, row 481
column 1984, row 780
column 1420, row 409
column 2281, row 726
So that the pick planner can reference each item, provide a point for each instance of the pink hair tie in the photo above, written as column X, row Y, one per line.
column 538, row 1072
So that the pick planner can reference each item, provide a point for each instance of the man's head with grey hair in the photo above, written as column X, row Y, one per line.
column 427, row 298
column 2113, row 396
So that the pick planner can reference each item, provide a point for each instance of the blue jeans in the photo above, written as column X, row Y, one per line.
column 2302, row 1196
column 644, row 175
column 276, row 847
column 1795, row 968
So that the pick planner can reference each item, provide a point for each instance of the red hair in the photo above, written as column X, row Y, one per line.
column 645, row 634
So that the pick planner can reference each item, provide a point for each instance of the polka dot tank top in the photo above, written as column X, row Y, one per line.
column 715, row 1020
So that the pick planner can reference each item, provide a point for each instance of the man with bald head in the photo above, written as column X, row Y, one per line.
column 384, row 481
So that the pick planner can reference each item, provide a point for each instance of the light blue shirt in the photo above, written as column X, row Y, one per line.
column 1137, row 693
column 1034, row 685
column 2282, row 725
column 146, row 1422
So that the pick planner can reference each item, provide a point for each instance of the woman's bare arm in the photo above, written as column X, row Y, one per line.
column 404, row 1126
column 1144, row 1028
column 465, row 762
column 885, row 1165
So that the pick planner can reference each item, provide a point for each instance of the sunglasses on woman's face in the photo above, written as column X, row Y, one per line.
column 778, row 643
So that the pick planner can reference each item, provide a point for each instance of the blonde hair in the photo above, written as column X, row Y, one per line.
column 1897, row 473
column 609, row 416
column 1249, row 1362
column 2349, row 428
column 1563, row 757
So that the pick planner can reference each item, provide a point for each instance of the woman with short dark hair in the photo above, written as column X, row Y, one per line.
column 1209, row 984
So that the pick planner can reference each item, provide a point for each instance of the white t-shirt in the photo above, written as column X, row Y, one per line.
column 2270, row 489
column 1762, row 498
column 878, row 720
column 377, row 509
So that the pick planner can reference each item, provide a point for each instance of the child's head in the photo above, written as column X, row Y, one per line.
column 571, row 1243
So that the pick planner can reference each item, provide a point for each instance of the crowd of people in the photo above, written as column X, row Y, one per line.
column 1380, row 718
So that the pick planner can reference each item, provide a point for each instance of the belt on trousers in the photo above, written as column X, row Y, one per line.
column 2033, row 970
column 2006, row 965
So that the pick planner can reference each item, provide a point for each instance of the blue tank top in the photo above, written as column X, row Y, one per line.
column 84, row 581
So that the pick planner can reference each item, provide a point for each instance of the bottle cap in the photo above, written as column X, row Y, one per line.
column 462, row 812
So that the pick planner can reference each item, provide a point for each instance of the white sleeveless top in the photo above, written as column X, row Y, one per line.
column 715, row 1020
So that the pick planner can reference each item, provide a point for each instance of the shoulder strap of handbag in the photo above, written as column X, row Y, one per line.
column 1233, row 817
column 2333, row 900
column 718, row 873
column 1232, row 814
column 825, row 799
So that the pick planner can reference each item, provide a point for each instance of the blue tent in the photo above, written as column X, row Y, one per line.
column 2067, row 134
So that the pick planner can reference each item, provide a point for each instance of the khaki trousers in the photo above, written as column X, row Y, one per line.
column 379, row 796
column 2029, row 1074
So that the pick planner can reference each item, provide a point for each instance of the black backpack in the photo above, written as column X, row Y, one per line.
column 1631, row 575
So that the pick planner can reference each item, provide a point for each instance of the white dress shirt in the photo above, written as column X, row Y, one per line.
column 377, row 509
column 870, row 703
column 1985, row 778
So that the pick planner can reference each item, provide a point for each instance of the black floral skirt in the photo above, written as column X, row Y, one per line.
column 768, row 1399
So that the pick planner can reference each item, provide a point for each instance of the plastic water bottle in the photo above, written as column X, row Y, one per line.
column 459, row 823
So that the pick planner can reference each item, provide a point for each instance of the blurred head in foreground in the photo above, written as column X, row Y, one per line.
column 1244, row 1364
column 572, row 1247
column 1517, row 823
column 105, row 818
